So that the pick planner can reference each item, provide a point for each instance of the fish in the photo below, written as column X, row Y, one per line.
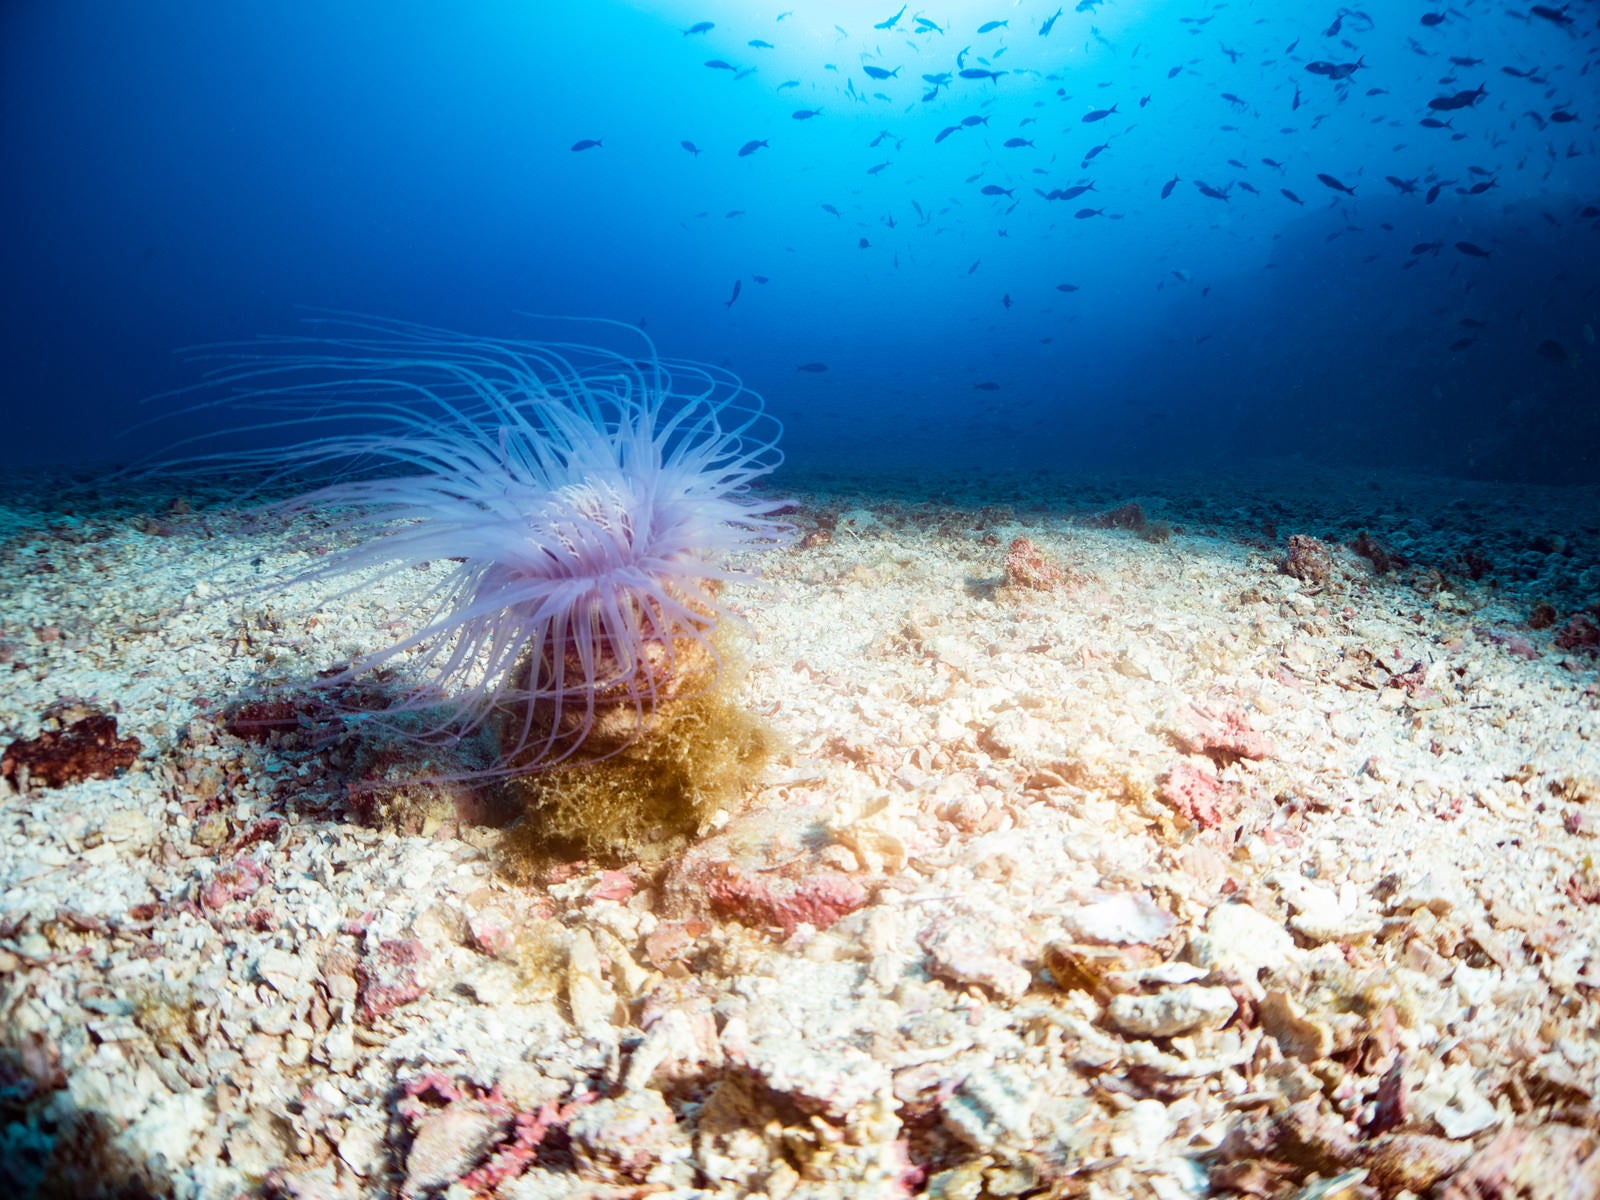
column 1099, row 114
column 758, row 44
column 1555, row 15
column 1406, row 187
column 961, row 57
column 750, row 148
column 974, row 266
column 738, row 285
column 787, row 83
column 1553, row 352
column 874, row 169
column 1461, row 60
column 1432, row 18
column 987, row 385
column 816, row 368
column 828, row 208
column 939, row 80
column 1006, row 299
column 1427, row 247
column 926, row 26
column 1017, row 143
column 759, row 278
column 1205, row 189
column 991, row 26
column 805, row 114
column 1474, row 251
column 863, row 244
column 691, row 148
column 1094, row 151
column 1072, row 193
column 880, row 73
column 700, row 27
column 1461, row 344
column 1479, row 189
column 1336, row 71
column 1066, row 287
column 994, row 189
column 1049, row 24
column 980, row 73
column 1166, row 188
column 716, row 64
column 1459, row 100
column 890, row 23
column 1331, row 182
column 1561, row 116
column 945, row 132
column 587, row 144
column 1273, row 163
column 873, row 144
column 1433, row 193
column 1246, row 187
column 1434, row 123
column 1470, row 323
column 971, row 121
column 1083, row 214
column 1292, row 196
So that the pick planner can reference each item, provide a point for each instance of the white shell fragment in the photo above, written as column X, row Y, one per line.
column 1177, row 1010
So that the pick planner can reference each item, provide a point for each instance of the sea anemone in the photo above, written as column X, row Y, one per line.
column 591, row 504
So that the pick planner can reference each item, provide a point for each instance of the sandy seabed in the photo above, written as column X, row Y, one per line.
column 1177, row 876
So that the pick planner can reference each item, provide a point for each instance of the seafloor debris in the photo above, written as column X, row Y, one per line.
column 89, row 748
column 1307, row 560
column 1027, row 568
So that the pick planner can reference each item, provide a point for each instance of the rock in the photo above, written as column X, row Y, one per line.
column 1168, row 1013
column 977, row 942
column 1240, row 941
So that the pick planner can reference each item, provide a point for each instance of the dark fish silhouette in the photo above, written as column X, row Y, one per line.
column 587, row 144
column 1044, row 30
column 1066, row 287
column 1084, row 214
column 945, row 132
column 890, row 23
column 691, row 148
column 1331, row 182
column 991, row 386
column 1099, row 114
column 1336, row 71
column 1292, row 196
column 980, row 73
column 805, row 114
column 1552, row 352
column 1461, row 344
column 994, row 189
column 750, row 148
column 1558, row 15
column 1166, row 188
column 700, row 27
column 1470, row 249
column 1406, row 187
column 991, row 26
column 738, row 286
column 971, row 121
column 1017, row 143
column 880, row 73
column 1459, row 100
column 1205, row 189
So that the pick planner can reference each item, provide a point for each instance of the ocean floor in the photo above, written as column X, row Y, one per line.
column 1129, row 837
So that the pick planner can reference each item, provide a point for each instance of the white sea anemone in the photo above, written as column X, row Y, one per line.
column 591, row 504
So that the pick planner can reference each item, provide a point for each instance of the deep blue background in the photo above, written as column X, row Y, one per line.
column 190, row 171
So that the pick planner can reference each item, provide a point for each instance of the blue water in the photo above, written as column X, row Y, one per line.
column 189, row 171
